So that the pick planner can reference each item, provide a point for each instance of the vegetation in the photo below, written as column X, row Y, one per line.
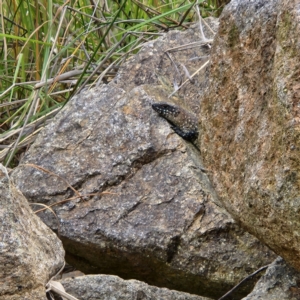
column 50, row 50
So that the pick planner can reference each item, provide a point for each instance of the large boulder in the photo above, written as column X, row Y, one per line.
column 147, row 209
column 107, row 287
column 30, row 253
column 250, row 120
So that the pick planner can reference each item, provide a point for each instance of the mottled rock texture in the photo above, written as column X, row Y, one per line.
column 107, row 287
column 30, row 253
column 158, row 220
column 250, row 120
column 280, row 282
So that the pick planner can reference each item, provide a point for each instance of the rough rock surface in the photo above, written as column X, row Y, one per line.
column 148, row 211
column 280, row 282
column 30, row 253
column 250, row 120
column 107, row 287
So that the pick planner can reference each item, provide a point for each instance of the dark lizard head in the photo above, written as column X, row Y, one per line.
column 166, row 110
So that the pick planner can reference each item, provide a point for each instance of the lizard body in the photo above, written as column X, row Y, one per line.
column 184, row 123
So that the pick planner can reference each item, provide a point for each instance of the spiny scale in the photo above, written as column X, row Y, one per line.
column 185, row 123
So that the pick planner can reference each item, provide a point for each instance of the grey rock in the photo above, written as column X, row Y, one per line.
column 280, row 282
column 250, row 121
column 147, row 210
column 30, row 253
column 108, row 287
column 153, row 66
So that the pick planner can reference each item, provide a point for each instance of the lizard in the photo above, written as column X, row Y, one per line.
column 183, row 122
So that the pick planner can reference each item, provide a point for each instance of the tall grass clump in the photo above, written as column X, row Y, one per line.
column 50, row 50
